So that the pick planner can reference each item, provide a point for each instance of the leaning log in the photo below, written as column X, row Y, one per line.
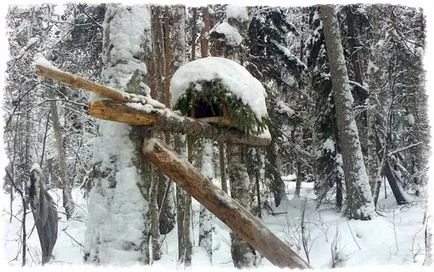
column 238, row 218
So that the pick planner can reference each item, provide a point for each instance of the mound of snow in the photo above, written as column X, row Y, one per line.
column 233, row 76
column 233, row 37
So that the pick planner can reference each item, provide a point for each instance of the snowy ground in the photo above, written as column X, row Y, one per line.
column 394, row 238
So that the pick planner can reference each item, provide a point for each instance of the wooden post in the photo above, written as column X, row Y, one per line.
column 235, row 216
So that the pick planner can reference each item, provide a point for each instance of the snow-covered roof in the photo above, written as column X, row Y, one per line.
column 233, row 76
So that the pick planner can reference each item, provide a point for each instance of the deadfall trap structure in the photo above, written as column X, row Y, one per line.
column 141, row 110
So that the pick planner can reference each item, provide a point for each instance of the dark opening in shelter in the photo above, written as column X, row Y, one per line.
column 215, row 102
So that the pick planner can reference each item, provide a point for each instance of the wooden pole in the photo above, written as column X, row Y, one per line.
column 235, row 216
column 165, row 120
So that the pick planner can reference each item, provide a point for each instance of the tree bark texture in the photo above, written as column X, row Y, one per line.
column 118, row 202
column 243, row 255
column 204, row 162
column 204, row 34
column 180, row 147
column 273, row 174
column 359, row 198
column 65, row 182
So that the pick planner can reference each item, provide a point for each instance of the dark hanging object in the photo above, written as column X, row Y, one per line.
column 45, row 214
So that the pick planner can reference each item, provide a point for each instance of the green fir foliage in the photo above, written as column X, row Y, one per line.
column 210, row 98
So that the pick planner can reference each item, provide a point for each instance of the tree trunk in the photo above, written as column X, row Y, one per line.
column 204, row 34
column 428, row 238
column 117, row 226
column 165, row 192
column 65, row 182
column 359, row 198
column 359, row 96
column 298, row 180
column 180, row 148
column 188, row 251
column 183, row 201
column 339, row 194
column 231, row 212
column 372, row 107
column 353, row 44
column 387, row 170
column 153, row 214
column 243, row 255
column 222, row 164
column 205, row 164
column 186, row 230
column 273, row 174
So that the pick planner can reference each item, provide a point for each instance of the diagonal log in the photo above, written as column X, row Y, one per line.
column 238, row 218
column 141, row 110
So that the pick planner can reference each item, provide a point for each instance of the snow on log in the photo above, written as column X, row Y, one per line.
column 49, row 71
column 238, row 218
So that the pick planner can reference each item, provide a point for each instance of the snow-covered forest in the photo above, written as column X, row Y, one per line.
column 220, row 135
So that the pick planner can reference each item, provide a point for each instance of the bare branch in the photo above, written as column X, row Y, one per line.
column 73, row 239
column 404, row 148
column 92, row 19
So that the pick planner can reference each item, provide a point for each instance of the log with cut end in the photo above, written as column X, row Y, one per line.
column 238, row 218
column 168, row 121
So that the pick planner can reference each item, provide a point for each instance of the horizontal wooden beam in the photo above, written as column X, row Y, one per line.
column 166, row 120
column 235, row 216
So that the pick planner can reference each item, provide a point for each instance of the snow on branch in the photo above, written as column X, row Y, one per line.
column 144, row 111
column 404, row 148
